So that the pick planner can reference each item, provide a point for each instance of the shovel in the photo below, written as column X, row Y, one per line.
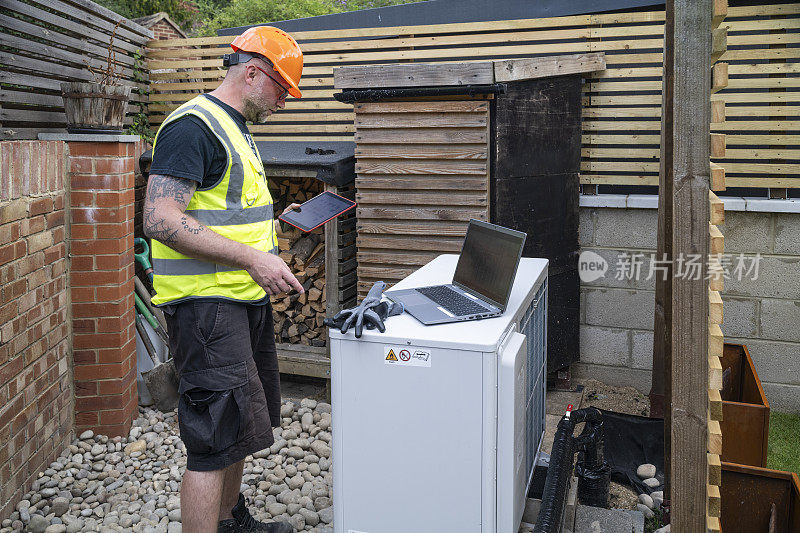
column 161, row 380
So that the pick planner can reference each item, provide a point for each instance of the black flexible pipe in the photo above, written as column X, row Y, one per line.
column 560, row 468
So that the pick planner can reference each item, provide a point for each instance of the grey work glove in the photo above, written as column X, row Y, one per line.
column 370, row 312
column 374, row 316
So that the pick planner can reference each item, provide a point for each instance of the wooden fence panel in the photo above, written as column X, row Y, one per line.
column 622, row 104
column 413, row 185
column 47, row 42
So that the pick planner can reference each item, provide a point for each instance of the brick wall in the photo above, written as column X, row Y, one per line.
column 164, row 30
column 101, row 282
column 617, row 314
column 36, row 391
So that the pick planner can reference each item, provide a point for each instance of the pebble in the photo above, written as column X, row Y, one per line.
column 652, row 482
column 646, row 511
column 326, row 515
column 308, row 403
column 139, row 446
column 658, row 499
column 311, row 517
column 646, row 471
column 59, row 506
column 38, row 524
column 646, row 500
column 276, row 509
column 132, row 483
column 664, row 529
column 321, row 448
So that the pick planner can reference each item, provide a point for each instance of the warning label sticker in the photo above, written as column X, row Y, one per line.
column 406, row 356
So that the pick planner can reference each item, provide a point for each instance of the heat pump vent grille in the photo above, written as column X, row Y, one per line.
column 534, row 326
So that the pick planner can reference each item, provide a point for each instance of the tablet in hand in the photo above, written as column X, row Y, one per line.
column 318, row 211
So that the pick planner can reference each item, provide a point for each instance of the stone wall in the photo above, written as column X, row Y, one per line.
column 617, row 314
column 36, row 391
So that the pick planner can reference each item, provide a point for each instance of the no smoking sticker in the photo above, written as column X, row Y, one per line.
column 406, row 356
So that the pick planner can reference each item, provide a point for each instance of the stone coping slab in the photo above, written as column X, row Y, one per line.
column 88, row 137
column 650, row 201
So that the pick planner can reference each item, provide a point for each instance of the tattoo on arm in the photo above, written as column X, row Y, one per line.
column 192, row 226
column 155, row 228
column 178, row 189
column 160, row 188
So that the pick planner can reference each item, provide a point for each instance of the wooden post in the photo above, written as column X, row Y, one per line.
column 662, row 321
column 332, row 303
column 689, row 73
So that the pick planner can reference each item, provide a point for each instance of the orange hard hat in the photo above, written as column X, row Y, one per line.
column 277, row 46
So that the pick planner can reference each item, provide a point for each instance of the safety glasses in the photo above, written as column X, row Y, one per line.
column 284, row 90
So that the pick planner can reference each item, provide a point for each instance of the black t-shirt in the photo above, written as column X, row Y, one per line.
column 187, row 148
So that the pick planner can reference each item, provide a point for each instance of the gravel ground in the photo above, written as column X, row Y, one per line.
column 133, row 484
column 618, row 399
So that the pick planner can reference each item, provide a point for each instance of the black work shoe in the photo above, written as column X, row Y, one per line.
column 243, row 522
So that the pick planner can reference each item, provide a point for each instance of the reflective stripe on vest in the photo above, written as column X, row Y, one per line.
column 238, row 206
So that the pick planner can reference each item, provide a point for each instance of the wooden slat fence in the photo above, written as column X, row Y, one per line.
column 46, row 42
column 622, row 104
column 422, row 172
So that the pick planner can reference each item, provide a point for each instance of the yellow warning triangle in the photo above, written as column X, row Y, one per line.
column 391, row 356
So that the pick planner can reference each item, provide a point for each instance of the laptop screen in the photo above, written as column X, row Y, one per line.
column 488, row 261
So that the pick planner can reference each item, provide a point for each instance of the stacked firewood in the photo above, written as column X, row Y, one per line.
column 298, row 317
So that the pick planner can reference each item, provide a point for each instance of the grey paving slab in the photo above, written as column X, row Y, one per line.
column 598, row 520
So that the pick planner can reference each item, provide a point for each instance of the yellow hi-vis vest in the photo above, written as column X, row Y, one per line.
column 238, row 206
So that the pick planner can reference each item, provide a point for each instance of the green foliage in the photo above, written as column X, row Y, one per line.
column 179, row 11
column 216, row 15
column 246, row 12
column 784, row 442
column 205, row 17
column 655, row 522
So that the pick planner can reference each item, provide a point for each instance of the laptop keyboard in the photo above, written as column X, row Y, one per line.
column 456, row 303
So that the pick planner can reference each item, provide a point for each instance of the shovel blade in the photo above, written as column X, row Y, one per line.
column 162, row 382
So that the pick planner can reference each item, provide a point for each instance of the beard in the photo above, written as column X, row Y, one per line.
column 257, row 107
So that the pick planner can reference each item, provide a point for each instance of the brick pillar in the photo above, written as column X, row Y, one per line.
column 101, row 248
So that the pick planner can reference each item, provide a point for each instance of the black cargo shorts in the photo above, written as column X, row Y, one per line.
column 229, row 385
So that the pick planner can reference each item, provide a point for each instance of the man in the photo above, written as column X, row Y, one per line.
column 209, row 214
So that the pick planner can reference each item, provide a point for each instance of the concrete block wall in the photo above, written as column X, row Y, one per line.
column 617, row 314
column 36, row 391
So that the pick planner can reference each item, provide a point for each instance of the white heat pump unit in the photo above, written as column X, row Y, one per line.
column 436, row 428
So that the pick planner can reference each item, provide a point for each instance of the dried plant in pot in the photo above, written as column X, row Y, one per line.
column 99, row 106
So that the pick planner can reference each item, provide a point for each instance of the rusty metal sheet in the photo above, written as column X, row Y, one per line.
column 748, row 494
column 745, row 409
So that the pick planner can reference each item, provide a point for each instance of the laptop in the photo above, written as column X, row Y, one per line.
column 481, row 284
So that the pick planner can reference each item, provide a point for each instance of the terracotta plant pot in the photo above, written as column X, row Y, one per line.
column 92, row 107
